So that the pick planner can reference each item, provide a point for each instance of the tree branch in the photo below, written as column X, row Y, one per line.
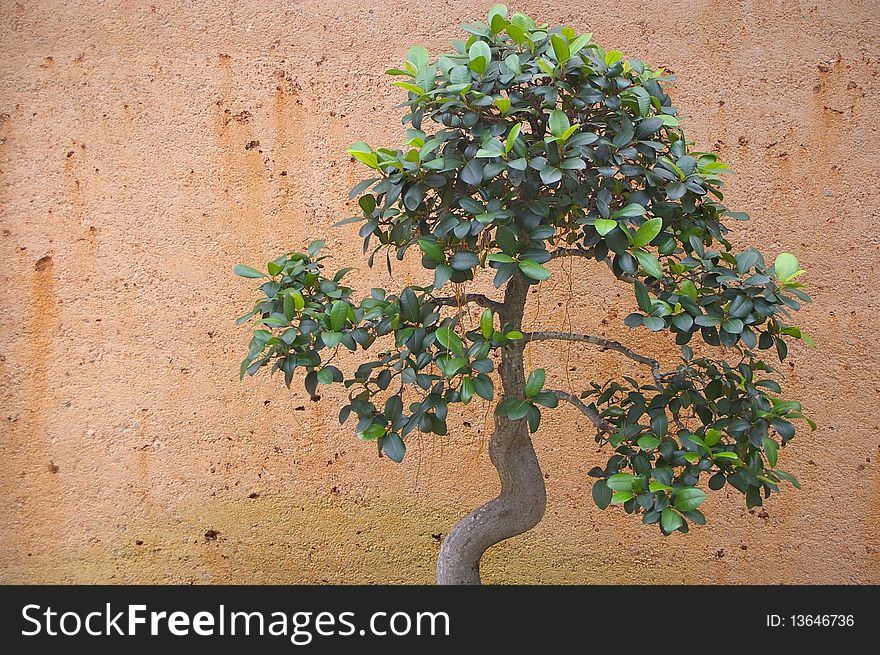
column 607, row 344
column 477, row 298
column 585, row 409
column 571, row 252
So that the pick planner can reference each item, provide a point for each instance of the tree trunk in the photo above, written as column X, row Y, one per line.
column 522, row 501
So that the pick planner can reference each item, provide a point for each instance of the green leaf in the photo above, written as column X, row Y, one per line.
column 621, row 497
column 546, row 399
column 472, row 173
column 578, row 44
column 245, row 364
column 558, row 122
column 683, row 321
column 782, row 475
column 348, row 221
column 573, row 163
column 460, row 75
column 612, row 57
column 533, row 416
column 247, row 271
column 409, row 306
column 770, row 449
column 604, row 225
column 658, row 486
column 648, row 442
column 500, row 257
column 485, row 153
column 364, row 153
column 601, row 494
column 450, row 340
column 487, row 324
column 361, row 186
column 533, row 270
column 393, row 447
column 484, row 386
column 560, row 48
column 514, row 335
column 452, row 365
column 464, row 260
column 246, row 317
column 621, row 481
column 675, row 190
column 497, row 17
column 689, row 498
column 418, row 56
column 550, row 175
column 316, row 247
column 689, row 289
column 717, row 481
column 506, row 240
column 414, row 196
column 512, row 62
column 432, row 250
column 513, row 409
column 649, row 263
column 516, row 33
column 546, row 67
column 511, row 137
column 630, row 211
column 373, row 431
column 712, row 437
column 670, row 521
column 732, row 325
column 522, row 21
column 786, row 266
column 564, row 137
column 293, row 302
column 535, row 382
column 338, row 315
column 745, row 260
column 466, row 391
column 643, row 100
column 647, row 231
column 642, row 297
column 409, row 86
column 480, row 55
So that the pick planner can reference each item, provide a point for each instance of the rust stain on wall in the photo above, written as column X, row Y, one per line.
column 32, row 461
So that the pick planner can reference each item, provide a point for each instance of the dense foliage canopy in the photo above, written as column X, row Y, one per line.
column 526, row 144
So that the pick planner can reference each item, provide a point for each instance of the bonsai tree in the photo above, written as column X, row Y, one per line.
column 529, row 144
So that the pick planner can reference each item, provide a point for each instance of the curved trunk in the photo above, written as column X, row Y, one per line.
column 523, row 498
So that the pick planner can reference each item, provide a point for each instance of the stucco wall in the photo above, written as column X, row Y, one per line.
column 144, row 150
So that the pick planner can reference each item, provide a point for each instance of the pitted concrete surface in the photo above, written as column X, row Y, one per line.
column 145, row 149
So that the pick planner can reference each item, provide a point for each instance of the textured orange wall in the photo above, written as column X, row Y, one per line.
column 146, row 149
